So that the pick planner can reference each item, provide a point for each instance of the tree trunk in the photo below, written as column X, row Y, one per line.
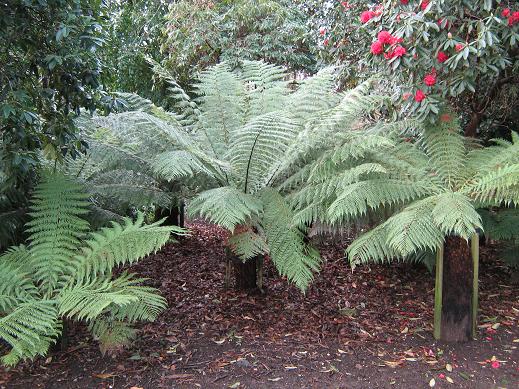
column 174, row 216
column 456, row 315
column 248, row 275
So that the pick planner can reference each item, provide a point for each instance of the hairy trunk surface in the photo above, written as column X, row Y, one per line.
column 456, row 316
column 245, row 274
column 248, row 275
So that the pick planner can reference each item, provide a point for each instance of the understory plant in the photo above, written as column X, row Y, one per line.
column 65, row 272
column 427, row 189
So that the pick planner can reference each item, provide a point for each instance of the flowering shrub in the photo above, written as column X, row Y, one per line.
column 434, row 50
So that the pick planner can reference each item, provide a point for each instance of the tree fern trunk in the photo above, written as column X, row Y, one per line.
column 456, row 315
column 172, row 216
column 245, row 273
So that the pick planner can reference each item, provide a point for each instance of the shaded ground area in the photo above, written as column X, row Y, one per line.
column 370, row 328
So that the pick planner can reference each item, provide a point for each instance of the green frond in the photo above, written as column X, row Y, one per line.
column 371, row 246
column 86, row 301
column 119, row 244
column 497, row 187
column 16, row 286
column 134, row 102
column 247, row 245
column 29, row 330
column 446, row 148
column 221, row 101
column 500, row 224
column 225, row 206
column 111, row 334
column 147, row 306
column 265, row 85
column 292, row 257
column 176, row 164
column 486, row 159
column 412, row 229
column 130, row 187
column 56, row 228
column 454, row 214
column 355, row 199
column 257, row 146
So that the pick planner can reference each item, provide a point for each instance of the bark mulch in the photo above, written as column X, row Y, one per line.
column 367, row 328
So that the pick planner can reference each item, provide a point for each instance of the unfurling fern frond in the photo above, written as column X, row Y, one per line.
column 287, row 248
column 111, row 334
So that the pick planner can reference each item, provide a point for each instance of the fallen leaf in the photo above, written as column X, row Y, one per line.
column 104, row 376
column 449, row 379
column 515, row 340
column 432, row 382
column 235, row 385
column 274, row 379
column 448, row 367
column 222, row 341
column 405, row 330
column 290, row 367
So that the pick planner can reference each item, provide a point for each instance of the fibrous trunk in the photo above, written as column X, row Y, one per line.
column 248, row 275
column 456, row 312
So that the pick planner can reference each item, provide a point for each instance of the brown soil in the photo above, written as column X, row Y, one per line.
column 370, row 328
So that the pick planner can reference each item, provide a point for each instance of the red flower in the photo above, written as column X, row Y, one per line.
column 442, row 57
column 406, row 96
column 394, row 40
column 326, row 41
column 419, row 96
column 366, row 16
column 495, row 365
column 505, row 13
column 459, row 47
column 445, row 118
column 345, row 4
column 384, row 37
column 424, row 4
column 430, row 79
column 441, row 375
column 377, row 48
column 399, row 51
column 514, row 18
column 405, row 2
column 322, row 31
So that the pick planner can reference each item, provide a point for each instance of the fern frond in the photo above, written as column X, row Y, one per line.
column 247, row 245
column 29, row 330
column 111, row 334
column 371, row 246
column 355, row 199
column 56, row 228
column 454, row 214
column 119, row 244
column 292, row 257
column 225, row 206
column 412, row 229
column 16, row 286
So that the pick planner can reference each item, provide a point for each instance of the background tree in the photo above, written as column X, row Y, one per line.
column 202, row 33
column 49, row 70
column 133, row 34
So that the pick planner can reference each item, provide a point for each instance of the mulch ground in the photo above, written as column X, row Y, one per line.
column 368, row 328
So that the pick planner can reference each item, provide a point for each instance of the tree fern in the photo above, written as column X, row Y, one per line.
column 65, row 271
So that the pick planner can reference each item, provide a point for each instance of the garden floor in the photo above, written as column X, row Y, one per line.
column 370, row 328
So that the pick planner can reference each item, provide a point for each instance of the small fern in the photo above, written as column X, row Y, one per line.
column 66, row 271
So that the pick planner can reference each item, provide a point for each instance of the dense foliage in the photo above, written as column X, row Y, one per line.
column 203, row 33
